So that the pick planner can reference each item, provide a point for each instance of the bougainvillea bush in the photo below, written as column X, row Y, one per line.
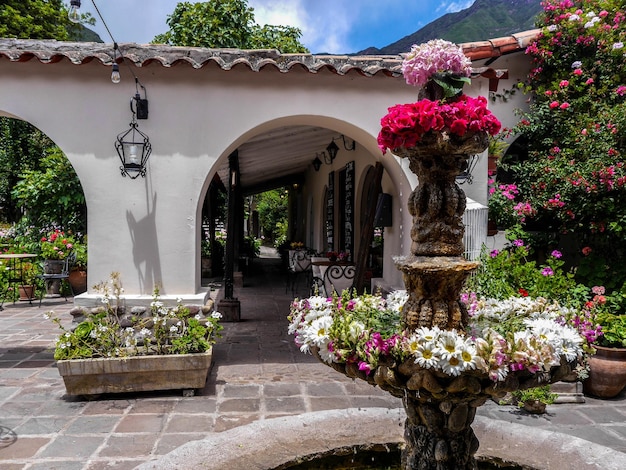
column 574, row 179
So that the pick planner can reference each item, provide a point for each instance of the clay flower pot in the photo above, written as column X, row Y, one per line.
column 607, row 374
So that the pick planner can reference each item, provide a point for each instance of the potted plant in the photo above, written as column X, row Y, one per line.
column 55, row 248
column 119, row 349
column 29, row 279
column 607, row 367
column 534, row 400
column 78, row 272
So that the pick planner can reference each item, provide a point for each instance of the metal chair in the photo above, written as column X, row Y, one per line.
column 299, row 265
column 317, row 283
column 338, row 277
column 63, row 276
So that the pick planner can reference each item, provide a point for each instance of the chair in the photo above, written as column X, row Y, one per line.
column 317, row 283
column 338, row 277
column 299, row 265
column 63, row 276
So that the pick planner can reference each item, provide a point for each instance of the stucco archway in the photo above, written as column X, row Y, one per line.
column 283, row 149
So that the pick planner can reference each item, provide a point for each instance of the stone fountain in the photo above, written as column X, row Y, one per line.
column 440, row 407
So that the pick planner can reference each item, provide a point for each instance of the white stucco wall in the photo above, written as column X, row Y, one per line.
column 148, row 229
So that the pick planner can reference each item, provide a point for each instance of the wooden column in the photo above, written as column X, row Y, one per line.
column 229, row 306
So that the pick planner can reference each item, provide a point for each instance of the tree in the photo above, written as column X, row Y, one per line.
column 52, row 196
column 226, row 24
column 39, row 19
column 21, row 147
column 272, row 208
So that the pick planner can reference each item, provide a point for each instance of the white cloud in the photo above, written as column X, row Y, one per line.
column 325, row 24
column 453, row 7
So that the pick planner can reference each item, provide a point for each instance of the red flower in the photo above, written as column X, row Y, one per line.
column 523, row 292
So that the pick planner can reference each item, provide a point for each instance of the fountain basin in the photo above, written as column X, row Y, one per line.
column 269, row 444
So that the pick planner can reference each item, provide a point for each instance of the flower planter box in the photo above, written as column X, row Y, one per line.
column 185, row 372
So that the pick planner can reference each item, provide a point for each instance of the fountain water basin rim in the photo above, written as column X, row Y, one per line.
column 268, row 444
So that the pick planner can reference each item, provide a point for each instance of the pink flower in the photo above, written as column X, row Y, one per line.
column 547, row 271
column 556, row 254
column 564, row 105
column 563, row 83
column 598, row 290
column 621, row 90
column 554, row 104
column 577, row 72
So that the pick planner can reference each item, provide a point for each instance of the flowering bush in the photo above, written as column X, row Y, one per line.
column 406, row 124
column 517, row 334
column 575, row 175
column 110, row 331
column 438, row 60
column 504, row 208
column 56, row 245
column 512, row 272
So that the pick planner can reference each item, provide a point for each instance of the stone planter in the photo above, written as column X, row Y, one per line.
column 607, row 372
column 185, row 372
column 53, row 286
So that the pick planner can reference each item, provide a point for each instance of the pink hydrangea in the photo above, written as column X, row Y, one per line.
column 436, row 56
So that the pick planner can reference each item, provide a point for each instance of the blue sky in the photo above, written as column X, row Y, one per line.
column 333, row 26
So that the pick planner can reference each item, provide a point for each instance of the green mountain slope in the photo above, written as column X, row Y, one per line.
column 485, row 19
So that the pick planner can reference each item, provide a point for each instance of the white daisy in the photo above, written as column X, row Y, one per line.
column 427, row 355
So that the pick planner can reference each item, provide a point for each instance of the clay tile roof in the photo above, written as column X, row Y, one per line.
column 497, row 47
column 50, row 51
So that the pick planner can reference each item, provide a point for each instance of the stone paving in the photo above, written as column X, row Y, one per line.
column 258, row 374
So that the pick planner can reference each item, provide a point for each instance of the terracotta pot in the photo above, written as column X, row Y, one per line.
column 78, row 281
column 607, row 374
column 26, row 292
column 535, row 407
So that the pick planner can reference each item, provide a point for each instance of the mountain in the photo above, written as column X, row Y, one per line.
column 485, row 19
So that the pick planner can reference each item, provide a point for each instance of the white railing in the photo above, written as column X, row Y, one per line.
column 475, row 220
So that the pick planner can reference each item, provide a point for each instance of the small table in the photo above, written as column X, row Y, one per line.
column 16, row 261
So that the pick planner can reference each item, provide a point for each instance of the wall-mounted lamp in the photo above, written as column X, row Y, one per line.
column 74, row 12
column 317, row 163
column 133, row 146
column 333, row 148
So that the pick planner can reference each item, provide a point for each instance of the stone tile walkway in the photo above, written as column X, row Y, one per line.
column 258, row 374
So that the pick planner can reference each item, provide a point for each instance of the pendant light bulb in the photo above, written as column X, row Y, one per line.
column 115, row 74
column 74, row 11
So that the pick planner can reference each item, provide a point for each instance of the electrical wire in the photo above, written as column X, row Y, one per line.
column 116, row 50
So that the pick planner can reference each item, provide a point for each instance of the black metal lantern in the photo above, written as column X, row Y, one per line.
column 134, row 148
column 332, row 150
column 317, row 163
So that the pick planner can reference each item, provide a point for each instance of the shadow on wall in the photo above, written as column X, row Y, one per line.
column 145, row 247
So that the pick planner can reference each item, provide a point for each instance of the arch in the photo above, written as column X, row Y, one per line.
column 45, row 146
column 317, row 132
